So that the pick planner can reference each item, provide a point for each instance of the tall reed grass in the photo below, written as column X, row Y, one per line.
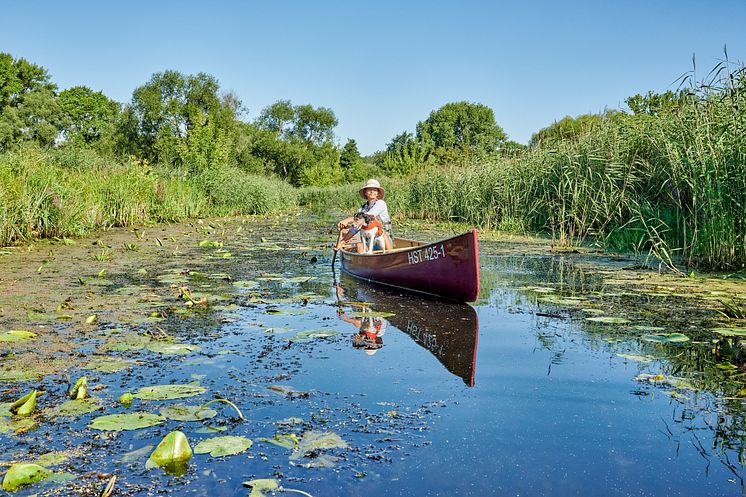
column 67, row 193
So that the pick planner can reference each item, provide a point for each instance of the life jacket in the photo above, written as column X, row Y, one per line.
column 376, row 225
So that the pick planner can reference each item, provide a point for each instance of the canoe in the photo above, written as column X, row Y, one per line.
column 447, row 268
column 448, row 330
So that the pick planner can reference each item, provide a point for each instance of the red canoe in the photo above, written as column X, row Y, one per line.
column 446, row 268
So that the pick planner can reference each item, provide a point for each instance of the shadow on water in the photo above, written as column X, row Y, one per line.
column 447, row 330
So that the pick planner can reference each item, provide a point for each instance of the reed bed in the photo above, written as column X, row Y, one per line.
column 68, row 193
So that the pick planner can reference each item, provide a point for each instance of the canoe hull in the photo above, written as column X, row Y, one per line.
column 447, row 268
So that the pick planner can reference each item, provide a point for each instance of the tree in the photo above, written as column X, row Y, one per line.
column 469, row 127
column 350, row 156
column 655, row 103
column 29, row 110
column 181, row 120
column 298, row 122
column 277, row 117
column 570, row 129
column 89, row 117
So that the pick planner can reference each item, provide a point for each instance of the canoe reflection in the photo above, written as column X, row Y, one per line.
column 448, row 330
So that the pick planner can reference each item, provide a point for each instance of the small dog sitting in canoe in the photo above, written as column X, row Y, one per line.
column 371, row 233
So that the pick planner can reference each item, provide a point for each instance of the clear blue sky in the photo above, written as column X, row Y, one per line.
column 383, row 65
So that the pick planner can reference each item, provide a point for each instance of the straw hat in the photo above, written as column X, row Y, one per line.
column 372, row 183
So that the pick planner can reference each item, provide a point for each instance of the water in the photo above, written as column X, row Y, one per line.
column 513, row 396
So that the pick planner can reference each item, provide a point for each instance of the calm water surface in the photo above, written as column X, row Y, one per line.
column 508, row 397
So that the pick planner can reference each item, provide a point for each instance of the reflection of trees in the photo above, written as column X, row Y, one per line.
column 705, row 378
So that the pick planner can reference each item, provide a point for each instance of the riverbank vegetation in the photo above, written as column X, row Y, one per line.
column 666, row 176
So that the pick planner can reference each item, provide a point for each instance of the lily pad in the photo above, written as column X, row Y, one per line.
column 638, row 358
column 171, row 454
column 314, row 441
column 128, row 421
column 107, row 365
column 666, row 338
column 258, row 487
column 165, row 392
column 23, row 474
column 130, row 342
column 54, row 458
column 181, row 412
column 307, row 336
column 172, row 348
column 76, row 407
column 17, row 336
column 730, row 332
column 17, row 425
column 223, row 446
column 287, row 441
column 608, row 320
column 363, row 314
column 18, row 375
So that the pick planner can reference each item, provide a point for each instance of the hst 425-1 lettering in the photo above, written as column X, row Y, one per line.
column 430, row 253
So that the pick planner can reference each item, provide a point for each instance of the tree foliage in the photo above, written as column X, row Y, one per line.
column 89, row 117
column 29, row 110
column 567, row 129
column 655, row 103
column 465, row 126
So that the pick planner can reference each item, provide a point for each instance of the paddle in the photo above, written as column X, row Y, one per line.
column 334, row 257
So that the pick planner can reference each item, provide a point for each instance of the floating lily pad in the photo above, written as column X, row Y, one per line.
column 23, row 474
column 307, row 336
column 137, row 454
column 172, row 348
column 18, row 375
column 649, row 328
column 127, row 421
column 171, row 454
column 363, row 314
column 666, row 338
column 129, row 342
column 165, row 392
column 637, row 358
column 17, row 336
column 258, row 487
column 181, row 412
column 107, row 365
column 275, row 331
column 607, row 320
column 73, row 408
column 289, row 391
column 54, row 458
column 288, row 311
column 16, row 425
column 730, row 332
column 314, row 441
column 223, row 446
column 287, row 441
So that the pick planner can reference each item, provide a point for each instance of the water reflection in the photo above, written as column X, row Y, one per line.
column 447, row 330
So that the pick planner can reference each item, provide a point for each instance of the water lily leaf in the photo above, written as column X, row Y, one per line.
column 210, row 430
column 136, row 455
column 128, row 421
column 129, row 342
column 17, row 425
column 287, row 311
column 26, row 405
column 649, row 328
column 299, row 279
column 289, row 391
column 246, row 284
column 223, row 446
column 287, row 441
column 54, row 458
column 363, row 314
column 24, row 474
column 91, row 319
column 666, row 338
column 314, row 441
column 171, row 454
column 165, row 392
column 258, row 487
column 107, row 365
column 607, row 320
column 76, row 407
column 126, row 399
column 79, row 391
column 321, row 461
column 17, row 375
column 210, row 244
column 275, row 331
column 307, row 336
column 291, row 421
column 181, row 412
column 638, row 358
column 730, row 332
column 17, row 336
column 595, row 312
column 171, row 348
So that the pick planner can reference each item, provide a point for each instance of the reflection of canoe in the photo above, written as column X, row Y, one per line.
column 446, row 268
column 447, row 330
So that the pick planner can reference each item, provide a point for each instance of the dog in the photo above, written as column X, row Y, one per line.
column 371, row 232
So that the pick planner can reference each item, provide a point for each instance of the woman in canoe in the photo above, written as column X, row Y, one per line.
column 374, row 206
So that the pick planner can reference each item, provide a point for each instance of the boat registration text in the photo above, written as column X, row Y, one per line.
column 430, row 253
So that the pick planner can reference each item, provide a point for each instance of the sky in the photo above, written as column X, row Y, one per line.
column 382, row 66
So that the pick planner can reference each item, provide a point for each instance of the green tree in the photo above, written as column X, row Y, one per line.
column 181, row 120
column 406, row 154
column 567, row 129
column 656, row 103
column 465, row 126
column 277, row 117
column 29, row 110
column 89, row 117
column 350, row 156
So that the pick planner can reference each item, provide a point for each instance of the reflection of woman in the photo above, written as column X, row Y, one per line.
column 370, row 334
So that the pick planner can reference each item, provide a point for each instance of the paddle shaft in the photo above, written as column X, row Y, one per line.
column 334, row 257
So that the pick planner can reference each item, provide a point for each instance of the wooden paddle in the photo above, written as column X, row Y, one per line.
column 334, row 257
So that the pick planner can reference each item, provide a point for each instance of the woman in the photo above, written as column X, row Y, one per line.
column 374, row 206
